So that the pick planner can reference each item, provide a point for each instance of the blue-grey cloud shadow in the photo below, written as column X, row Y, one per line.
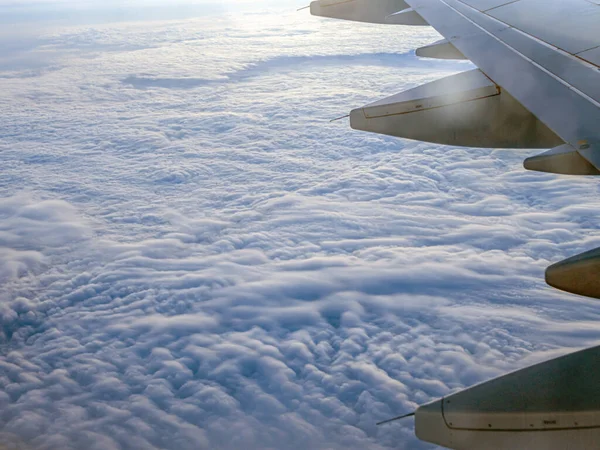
column 280, row 64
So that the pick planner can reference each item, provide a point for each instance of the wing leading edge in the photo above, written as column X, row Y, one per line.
column 537, row 86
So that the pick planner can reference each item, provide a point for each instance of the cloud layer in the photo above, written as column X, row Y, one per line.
column 192, row 256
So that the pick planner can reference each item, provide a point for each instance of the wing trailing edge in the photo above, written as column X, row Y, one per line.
column 407, row 16
column 466, row 109
column 442, row 49
column 370, row 11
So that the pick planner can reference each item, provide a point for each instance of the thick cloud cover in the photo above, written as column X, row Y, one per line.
column 192, row 256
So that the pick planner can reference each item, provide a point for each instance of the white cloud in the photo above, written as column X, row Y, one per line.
column 202, row 261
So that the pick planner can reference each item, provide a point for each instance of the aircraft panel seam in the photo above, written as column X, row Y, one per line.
column 499, row 6
column 514, row 50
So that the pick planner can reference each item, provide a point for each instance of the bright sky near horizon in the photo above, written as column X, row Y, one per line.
column 193, row 257
column 72, row 12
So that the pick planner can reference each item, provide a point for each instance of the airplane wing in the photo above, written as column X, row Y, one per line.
column 537, row 85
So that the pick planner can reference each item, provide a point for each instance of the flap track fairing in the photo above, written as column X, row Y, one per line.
column 577, row 275
column 443, row 49
column 563, row 159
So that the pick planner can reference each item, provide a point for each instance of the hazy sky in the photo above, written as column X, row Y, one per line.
column 193, row 257
column 100, row 11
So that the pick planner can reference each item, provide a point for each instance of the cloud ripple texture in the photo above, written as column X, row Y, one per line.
column 193, row 257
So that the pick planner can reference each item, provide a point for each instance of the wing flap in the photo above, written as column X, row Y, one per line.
column 407, row 16
column 370, row 11
column 466, row 109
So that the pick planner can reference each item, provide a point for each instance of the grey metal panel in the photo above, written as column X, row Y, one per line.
column 484, row 5
column 592, row 55
column 568, row 68
column 564, row 159
column 406, row 17
column 483, row 20
column 562, row 64
column 370, row 11
column 572, row 25
column 463, row 86
column 449, row 24
column 572, row 115
column 466, row 109
column 578, row 274
column 591, row 152
column 441, row 50
column 552, row 388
